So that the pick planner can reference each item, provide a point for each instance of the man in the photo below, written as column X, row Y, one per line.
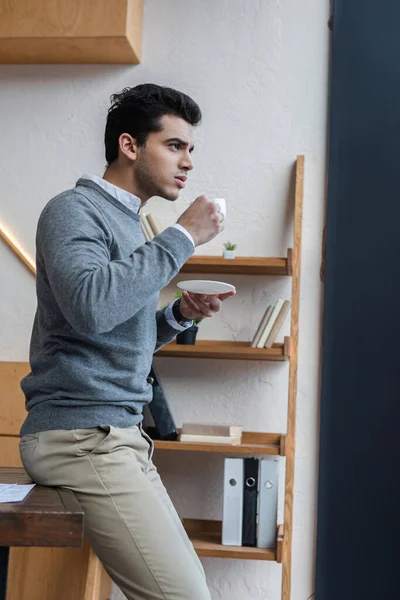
column 94, row 335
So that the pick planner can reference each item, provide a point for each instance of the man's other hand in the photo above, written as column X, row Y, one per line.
column 201, row 306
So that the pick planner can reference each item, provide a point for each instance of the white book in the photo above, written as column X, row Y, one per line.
column 261, row 326
column 211, row 429
column 271, row 322
column 154, row 224
column 213, row 439
column 278, row 324
column 147, row 226
column 232, row 518
column 145, row 233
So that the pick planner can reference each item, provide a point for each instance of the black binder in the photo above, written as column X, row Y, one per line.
column 250, row 496
column 165, row 428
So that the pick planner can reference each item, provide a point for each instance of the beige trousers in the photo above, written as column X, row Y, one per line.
column 130, row 521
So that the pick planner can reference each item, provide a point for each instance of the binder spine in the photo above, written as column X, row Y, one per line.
column 250, row 496
column 268, row 503
column 233, row 502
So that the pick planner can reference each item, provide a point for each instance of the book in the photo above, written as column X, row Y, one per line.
column 268, row 503
column 211, row 439
column 278, row 324
column 154, row 224
column 261, row 326
column 270, row 324
column 147, row 226
column 232, row 518
column 145, row 232
column 211, row 429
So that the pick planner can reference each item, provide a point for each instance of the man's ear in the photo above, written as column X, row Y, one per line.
column 128, row 146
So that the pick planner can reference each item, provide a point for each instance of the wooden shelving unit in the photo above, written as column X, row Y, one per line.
column 206, row 539
column 241, row 265
column 206, row 535
column 227, row 350
column 253, row 442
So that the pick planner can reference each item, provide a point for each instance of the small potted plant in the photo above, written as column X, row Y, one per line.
column 188, row 336
column 229, row 250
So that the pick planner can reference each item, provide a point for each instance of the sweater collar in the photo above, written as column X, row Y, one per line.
column 129, row 200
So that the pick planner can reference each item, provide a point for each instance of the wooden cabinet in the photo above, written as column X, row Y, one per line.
column 42, row 573
column 70, row 31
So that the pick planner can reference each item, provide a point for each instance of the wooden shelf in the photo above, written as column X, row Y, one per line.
column 241, row 265
column 253, row 443
column 227, row 350
column 71, row 32
column 206, row 536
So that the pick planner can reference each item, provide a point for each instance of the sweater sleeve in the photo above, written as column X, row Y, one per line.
column 165, row 332
column 95, row 293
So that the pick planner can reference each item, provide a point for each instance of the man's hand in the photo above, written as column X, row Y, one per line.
column 202, row 220
column 200, row 306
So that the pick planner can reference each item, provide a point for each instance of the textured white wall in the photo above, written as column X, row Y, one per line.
column 259, row 70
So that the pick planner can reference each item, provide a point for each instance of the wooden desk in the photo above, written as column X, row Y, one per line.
column 34, row 572
column 46, row 517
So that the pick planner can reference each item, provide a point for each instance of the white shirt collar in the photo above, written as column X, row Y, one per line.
column 126, row 198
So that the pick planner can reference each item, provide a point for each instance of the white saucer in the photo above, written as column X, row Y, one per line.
column 205, row 286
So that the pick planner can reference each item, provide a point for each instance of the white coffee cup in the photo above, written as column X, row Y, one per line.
column 221, row 202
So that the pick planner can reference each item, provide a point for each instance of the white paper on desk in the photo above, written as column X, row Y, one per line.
column 14, row 492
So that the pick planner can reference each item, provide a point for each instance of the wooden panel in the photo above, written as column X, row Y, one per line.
column 252, row 443
column 58, row 18
column 12, row 401
column 206, row 538
column 241, row 265
column 47, row 517
column 67, row 51
column 292, row 394
column 9, row 451
column 35, row 528
column 57, row 574
column 134, row 26
column 42, row 573
column 48, row 573
column 279, row 544
column 222, row 349
column 70, row 31
column 98, row 583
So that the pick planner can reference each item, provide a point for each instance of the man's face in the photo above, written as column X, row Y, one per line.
column 162, row 165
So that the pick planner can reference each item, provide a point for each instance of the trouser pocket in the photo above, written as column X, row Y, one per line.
column 148, row 439
column 93, row 440
column 29, row 440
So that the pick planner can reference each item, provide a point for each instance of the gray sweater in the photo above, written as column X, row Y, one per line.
column 96, row 326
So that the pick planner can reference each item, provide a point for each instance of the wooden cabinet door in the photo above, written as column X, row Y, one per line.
column 12, row 401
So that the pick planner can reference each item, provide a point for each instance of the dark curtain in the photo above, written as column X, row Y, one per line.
column 358, row 535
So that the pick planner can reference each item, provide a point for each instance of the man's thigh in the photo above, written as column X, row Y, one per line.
column 127, row 522
column 153, row 476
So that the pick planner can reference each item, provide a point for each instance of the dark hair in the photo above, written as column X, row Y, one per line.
column 138, row 110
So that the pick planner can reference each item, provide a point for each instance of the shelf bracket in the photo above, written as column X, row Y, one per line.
column 289, row 261
column 286, row 347
column 279, row 543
